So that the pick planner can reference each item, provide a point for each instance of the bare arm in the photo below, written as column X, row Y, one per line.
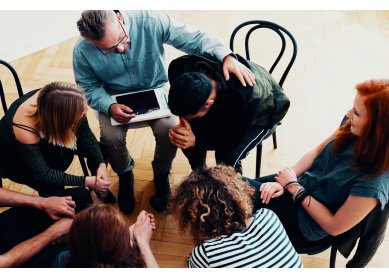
column 353, row 210
column 142, row 231
column 306, row 161
column 29, row 248
column 54, row 206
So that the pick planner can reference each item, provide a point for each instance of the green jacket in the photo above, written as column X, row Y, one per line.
column 264, row 104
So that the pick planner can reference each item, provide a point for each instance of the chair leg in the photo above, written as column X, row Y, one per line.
column 334, row 250
column 83, row 165
column 259, row 159
column 274, row 139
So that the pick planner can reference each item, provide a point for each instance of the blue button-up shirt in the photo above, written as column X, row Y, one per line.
column 141, row 67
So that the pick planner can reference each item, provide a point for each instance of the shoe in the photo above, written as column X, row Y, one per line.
column 161, row 198
column 108, row 199
column 126, row 199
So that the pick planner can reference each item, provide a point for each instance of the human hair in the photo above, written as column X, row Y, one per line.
column 212, row 202
column 188, row 93
column 59, row 112
column 92, row 23
column 371, row 151
column 100, row 237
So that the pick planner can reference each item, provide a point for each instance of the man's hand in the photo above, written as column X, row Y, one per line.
column 121, row 113
column 244, row 74
column 181, row 135
column 57, row 207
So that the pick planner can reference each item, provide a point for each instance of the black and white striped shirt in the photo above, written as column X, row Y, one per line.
column 263, row 244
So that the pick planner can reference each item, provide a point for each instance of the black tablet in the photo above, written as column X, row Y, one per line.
column 140, row 102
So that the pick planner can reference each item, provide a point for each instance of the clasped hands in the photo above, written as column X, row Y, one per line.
column 182, row 136
column 271, row 190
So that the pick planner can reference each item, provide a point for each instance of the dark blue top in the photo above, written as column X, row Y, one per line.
column 331, row 179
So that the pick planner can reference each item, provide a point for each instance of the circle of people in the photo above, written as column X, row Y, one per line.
column 224, row 103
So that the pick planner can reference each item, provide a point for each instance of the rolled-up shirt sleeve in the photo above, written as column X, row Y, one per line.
column 190, row 40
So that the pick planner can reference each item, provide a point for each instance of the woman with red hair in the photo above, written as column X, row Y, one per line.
column 336, row 185
column 101, row 237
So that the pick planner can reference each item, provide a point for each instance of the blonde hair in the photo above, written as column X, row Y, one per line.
column 59, row 112
column 212, row 202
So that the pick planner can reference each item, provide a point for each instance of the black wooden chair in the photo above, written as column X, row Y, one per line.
column 287, row 40
column 7, row 66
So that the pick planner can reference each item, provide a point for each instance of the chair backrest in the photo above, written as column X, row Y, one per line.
column 17, row 82
column 280, row 31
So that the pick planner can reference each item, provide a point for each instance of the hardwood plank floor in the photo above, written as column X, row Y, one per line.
column 337, row 49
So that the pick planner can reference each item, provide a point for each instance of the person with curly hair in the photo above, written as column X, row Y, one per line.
column 215, row 204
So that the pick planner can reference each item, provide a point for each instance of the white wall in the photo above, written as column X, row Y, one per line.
column 26, row 32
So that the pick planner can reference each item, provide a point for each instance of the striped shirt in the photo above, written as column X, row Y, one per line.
column 263, row 244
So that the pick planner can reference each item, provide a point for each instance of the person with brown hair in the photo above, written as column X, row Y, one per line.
column 216, row 205
column 101, row 237
column 39, row 134
column 337, row 184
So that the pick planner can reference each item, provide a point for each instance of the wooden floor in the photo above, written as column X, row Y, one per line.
column 336, row 50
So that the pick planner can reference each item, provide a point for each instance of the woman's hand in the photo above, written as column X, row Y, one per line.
column 285, row 176
column 101, row 172
column 97, row 185
column 270, row 190
column 143, row 228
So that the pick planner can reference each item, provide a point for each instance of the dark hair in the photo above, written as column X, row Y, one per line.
column 92, row 23
column 212, row 202
column 99, row 237
column 188, row 93
column 371, row 150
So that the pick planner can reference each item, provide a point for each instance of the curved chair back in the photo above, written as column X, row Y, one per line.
column 17, row 82
column 287, row 40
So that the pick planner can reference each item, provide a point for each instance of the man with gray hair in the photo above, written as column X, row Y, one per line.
column 122, row 51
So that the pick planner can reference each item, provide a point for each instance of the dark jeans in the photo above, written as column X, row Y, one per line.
column 230, row 156
column 18, row 224
column 286, row 211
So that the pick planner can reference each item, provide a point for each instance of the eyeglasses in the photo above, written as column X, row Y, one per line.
column 121, row 42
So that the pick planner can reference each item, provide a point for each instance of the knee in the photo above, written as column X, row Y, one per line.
column 113, row 137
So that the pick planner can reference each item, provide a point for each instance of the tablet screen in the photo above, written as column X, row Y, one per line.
column 141, row 102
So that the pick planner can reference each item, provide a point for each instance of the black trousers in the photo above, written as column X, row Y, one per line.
column 18, row 224
column 227, row 155
column 286, row 211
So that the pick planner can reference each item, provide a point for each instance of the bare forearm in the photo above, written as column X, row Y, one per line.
column 10, row 199
column 27, row 249
column 353, row 210
column 147, row 256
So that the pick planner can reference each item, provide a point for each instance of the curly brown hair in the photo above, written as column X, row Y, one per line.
column 212, row 202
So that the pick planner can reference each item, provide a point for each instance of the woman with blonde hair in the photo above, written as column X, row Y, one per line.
column 337, row 184
column 215, row 204
column 39, row 134
column 101, row 237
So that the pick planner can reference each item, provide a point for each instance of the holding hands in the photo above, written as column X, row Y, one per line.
column 271, row 190
column 181, row 135
column 57, row 207
column 285, row 176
